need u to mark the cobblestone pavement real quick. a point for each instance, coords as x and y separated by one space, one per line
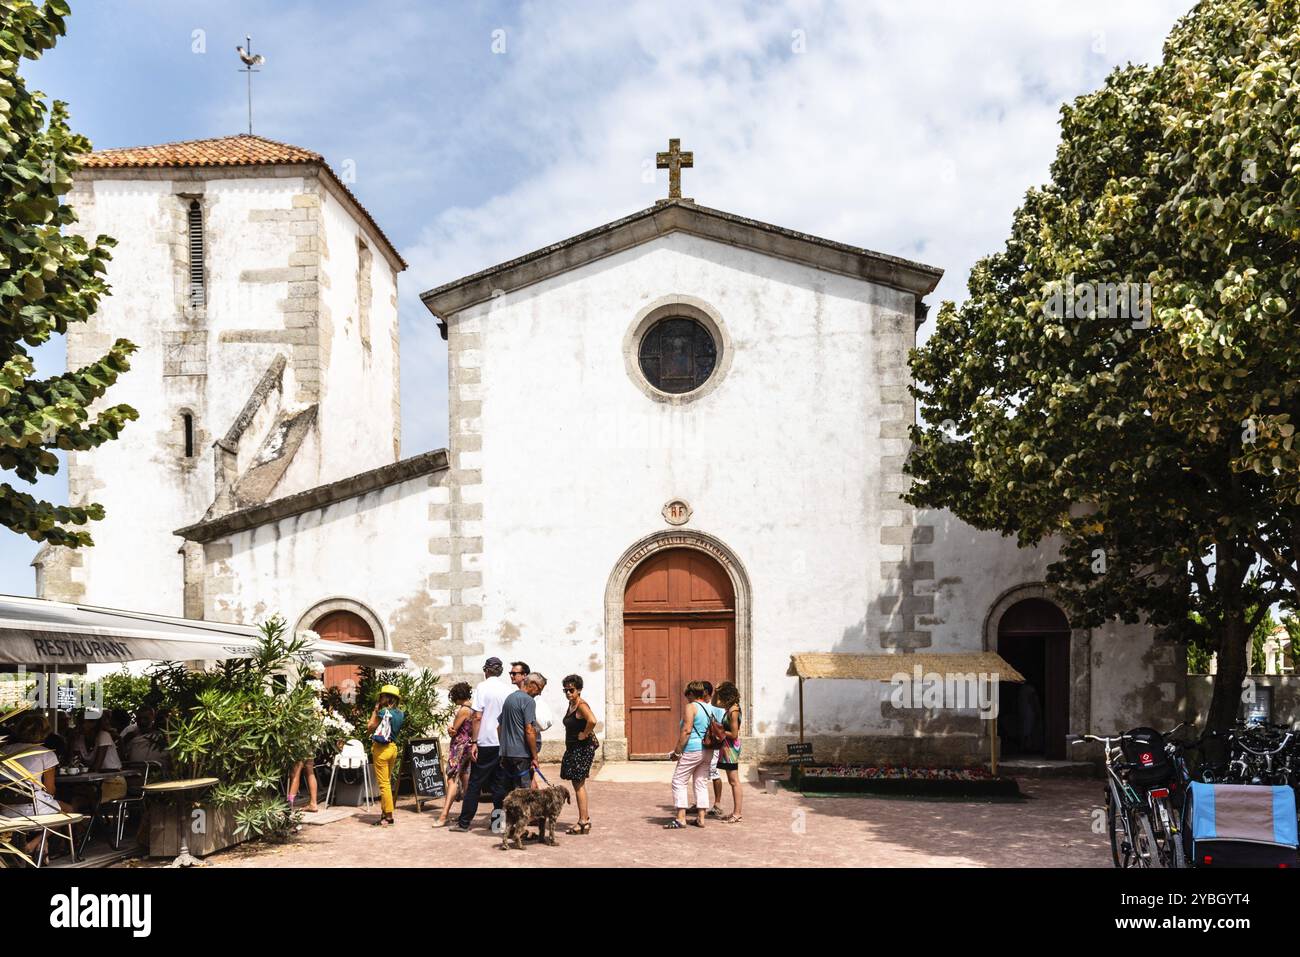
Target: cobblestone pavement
1051 827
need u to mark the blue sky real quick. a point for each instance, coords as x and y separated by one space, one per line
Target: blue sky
481 130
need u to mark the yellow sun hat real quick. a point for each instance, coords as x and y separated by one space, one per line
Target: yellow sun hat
393 690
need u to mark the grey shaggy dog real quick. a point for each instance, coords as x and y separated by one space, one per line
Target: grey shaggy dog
525 805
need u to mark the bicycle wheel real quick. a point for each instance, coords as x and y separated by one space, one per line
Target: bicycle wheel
1121 848
1168 834
1145 851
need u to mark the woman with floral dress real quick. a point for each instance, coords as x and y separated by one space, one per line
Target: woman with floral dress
458 756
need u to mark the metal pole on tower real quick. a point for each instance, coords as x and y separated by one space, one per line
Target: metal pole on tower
248 45
250 62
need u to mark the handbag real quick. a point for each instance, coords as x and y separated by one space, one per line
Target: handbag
715 737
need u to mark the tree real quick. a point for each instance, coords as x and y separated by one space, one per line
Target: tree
48 279
1126 371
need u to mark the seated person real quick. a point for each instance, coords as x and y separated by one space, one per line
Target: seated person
92 745
144 740
26 737
56 740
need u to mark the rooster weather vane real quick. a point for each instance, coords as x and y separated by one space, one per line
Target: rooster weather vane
251 63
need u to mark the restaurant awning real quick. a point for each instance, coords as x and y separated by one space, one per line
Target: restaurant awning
51 635
885 667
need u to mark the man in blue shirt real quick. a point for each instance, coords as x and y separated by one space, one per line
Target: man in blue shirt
518 732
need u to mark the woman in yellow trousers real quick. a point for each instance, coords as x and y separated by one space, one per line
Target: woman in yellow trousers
385 721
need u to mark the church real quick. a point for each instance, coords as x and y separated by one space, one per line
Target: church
676 450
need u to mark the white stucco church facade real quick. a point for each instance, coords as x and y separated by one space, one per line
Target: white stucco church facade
676 451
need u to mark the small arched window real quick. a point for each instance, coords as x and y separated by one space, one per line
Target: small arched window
187 424
196 296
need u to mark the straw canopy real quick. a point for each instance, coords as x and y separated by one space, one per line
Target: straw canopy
886 667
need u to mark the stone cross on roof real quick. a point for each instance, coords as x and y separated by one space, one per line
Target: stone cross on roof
674 161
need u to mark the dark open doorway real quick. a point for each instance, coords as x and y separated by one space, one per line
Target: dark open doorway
1034 718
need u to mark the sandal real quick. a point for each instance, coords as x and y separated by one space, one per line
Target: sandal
715 811
582 827
674 825
696 823
440 823
732 819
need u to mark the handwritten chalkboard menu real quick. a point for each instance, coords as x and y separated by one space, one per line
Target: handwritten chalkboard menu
425 763
800 753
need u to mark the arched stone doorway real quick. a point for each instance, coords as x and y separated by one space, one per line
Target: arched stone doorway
705 593
1033 636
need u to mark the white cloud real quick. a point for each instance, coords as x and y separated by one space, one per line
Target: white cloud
911 128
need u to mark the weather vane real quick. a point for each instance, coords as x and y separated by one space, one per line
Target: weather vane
250 62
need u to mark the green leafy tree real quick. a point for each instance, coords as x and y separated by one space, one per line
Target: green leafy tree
127 691
1292 625
1125 372
48 279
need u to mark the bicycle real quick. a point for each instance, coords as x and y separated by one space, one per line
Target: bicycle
1257 749
1143 829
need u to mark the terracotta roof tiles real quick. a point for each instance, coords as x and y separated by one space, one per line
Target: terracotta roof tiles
227 151
240 150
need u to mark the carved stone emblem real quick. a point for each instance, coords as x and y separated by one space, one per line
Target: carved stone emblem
677 512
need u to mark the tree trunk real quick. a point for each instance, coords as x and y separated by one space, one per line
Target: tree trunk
1232 658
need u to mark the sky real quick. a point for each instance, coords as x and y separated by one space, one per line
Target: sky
479 131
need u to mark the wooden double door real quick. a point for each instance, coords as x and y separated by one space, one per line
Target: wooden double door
679 625
349 628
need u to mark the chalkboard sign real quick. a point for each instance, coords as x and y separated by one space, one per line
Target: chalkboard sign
799 753
425 762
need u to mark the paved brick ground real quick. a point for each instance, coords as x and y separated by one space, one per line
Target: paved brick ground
1051 827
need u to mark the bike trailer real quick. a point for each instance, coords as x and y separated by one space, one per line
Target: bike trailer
1240 825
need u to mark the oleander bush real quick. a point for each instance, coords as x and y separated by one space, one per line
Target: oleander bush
245 722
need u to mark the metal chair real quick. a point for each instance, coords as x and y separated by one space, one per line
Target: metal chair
134 797
15 821
48 825
17 780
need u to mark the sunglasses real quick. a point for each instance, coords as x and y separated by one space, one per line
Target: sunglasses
570 690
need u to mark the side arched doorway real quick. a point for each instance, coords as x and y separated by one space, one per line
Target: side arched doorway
1033 636
348 627
679 625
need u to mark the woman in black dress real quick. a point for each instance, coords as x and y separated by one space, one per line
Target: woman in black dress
579 749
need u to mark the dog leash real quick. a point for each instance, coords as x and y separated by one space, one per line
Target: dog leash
543 777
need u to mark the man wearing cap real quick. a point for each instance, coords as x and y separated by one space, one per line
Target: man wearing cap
385 721
485 745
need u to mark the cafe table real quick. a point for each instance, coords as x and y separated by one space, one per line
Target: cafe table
181 787
95 779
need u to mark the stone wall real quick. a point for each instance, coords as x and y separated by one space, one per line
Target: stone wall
271 289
